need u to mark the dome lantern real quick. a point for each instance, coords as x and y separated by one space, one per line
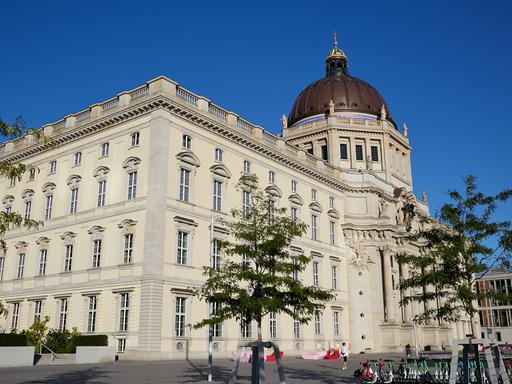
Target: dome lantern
336 61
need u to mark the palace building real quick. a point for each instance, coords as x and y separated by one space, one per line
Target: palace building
127 188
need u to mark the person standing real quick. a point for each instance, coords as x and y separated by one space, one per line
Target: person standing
344 355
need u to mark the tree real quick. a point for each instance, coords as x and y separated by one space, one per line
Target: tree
3 310
258 273
454 252
36 334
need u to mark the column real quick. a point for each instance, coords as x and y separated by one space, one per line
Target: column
390 309
334 147
407 308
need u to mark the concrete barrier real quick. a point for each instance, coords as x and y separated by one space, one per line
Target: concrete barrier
95 355
16 356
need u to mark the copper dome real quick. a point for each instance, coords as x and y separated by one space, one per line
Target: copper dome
349 94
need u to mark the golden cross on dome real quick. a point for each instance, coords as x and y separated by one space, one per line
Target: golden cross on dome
335 41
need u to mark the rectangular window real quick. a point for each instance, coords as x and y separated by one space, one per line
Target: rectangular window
296 329
245 328
217 195
271 211
68 258
91 314
8 209
38 306
247 166
246 203
215 262
295 272
43 254
121 345
334 277
273 325
48 207
21 266
102 192
310 150
186 142
271 177
313 194
63 314
74 200
28 208
184 184
132 185
96 253
12 181
359 152
331 202
2 267
324 152
32 174
216 328
104 149
336 323
343 151
15 315
318 323
294 186
135 139
182 248
181 315
124 311
246 261
128 248
332 232
375 153
77 158
218 155
52 167
314 228
293 213
316 273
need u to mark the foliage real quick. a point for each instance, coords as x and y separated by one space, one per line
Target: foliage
3 310
89 341
13 339
36 334
264 282
61 341
454 253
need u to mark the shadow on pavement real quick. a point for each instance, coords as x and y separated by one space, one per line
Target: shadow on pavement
92 375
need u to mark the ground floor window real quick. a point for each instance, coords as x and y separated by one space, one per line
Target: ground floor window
121 345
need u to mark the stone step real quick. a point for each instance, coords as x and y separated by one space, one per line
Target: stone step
62 358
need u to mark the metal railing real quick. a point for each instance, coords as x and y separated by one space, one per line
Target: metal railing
53 354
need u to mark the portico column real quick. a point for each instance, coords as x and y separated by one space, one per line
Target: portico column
388 288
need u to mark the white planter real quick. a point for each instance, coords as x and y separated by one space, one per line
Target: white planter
16 356
95 355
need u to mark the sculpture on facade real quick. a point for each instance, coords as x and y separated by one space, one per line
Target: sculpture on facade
406 130
369 164
383 207
383 113
331 108
284 122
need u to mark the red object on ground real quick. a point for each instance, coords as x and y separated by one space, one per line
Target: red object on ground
332 354
272 357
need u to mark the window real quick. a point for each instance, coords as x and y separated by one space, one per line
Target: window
96 253
102 192
314 228
32 174
43 254
132 185
218 155
246 261
52 168
180 319
332 232
104 149
28 209
91 314
74 200
246 203
323 148
359 152
334 277
2 267
215 261
293 213
21 266
121 345
124 309
215 310
68 258
247 166
343 151
12 181
273 325
316 273
186 142
182 249
313 194
128 248
217 195
271 177
331 202
38 306
245 327
318 323
336 323
296 329
8 209
77 158
375 153
48 207
295 272
294 186
15 315
135 139
184 184
310 150
63 314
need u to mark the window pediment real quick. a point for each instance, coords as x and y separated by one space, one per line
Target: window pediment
68 236
96 232
314 206
43 241
126 223
27 194
21 246
295 198
131 164
73 181
7 200
101 172
48 188
333 213
220 170
188 157
273 190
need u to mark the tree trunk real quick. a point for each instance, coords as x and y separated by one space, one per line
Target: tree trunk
259 329
472 325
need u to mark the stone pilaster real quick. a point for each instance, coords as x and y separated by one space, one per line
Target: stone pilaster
334 147
390 308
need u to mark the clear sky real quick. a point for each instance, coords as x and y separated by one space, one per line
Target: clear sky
444 67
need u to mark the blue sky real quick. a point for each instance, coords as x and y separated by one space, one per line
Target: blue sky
442 66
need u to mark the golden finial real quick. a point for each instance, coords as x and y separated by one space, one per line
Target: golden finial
335 41
335 51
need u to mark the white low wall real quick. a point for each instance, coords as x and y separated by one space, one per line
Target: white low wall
95 355
16 356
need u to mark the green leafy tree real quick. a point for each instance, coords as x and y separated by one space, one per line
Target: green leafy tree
454 252
36 334
258 272
3 310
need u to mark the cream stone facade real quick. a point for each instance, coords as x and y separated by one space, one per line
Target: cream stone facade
127 189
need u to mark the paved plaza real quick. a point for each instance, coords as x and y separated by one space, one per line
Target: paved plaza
191 371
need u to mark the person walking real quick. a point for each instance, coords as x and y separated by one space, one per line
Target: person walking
344 355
